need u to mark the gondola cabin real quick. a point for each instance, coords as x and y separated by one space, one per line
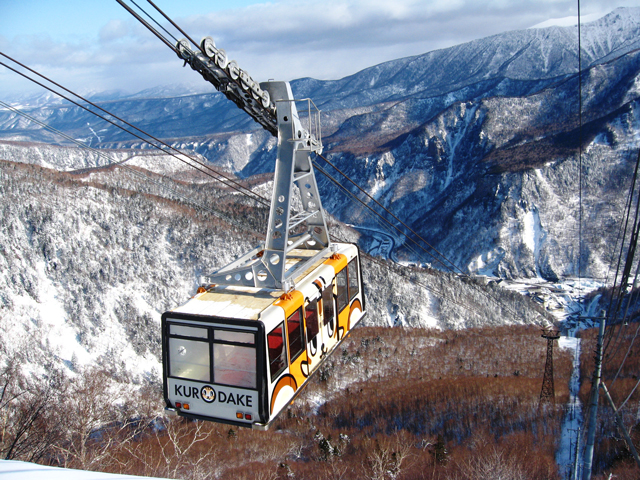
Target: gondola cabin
239 355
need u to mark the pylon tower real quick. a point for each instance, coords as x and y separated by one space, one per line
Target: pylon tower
548 394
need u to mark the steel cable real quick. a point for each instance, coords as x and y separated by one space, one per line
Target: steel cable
138 173
238 187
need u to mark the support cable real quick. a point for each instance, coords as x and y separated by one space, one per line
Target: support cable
174 24
252 194
377 217
498 302
353 196
450 267
134 171
155 21
614 307
628 208
579 150
396 218
146 24
238 187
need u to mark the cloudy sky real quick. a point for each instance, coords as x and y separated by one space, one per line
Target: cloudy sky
96 45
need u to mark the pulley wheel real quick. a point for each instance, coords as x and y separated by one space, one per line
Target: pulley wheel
266 99
209 47
221 59
183 48
233 70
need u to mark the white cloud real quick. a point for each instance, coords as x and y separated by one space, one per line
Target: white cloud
285 39
114 30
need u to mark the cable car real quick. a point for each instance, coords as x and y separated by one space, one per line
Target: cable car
243 347
239 355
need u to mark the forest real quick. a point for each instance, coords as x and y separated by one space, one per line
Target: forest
452 398
392 403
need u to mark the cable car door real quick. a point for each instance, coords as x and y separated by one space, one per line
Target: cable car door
329 320
314 334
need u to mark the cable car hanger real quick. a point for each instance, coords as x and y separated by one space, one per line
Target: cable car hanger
272 105
266 266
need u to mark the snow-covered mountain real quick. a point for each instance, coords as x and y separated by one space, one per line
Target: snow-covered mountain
474 146
90 258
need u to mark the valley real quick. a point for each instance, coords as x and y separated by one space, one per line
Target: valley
477 148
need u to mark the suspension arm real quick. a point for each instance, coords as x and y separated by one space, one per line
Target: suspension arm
236 84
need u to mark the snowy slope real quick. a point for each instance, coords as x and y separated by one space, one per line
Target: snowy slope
475 146
14 470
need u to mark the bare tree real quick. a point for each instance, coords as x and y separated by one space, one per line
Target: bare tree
96 426
386 459
180 449
492 465
29 423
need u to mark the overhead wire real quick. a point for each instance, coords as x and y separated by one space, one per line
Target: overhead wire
439 260
136 172
442 257
452 266
379 262
368 207
448 265
618 293
191 201
621 226
155 21
146 24
443 260
488 294
229 182
173 23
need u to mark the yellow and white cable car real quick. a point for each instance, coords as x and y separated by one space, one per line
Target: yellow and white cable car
239 355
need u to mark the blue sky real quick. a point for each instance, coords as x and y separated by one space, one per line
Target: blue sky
95 45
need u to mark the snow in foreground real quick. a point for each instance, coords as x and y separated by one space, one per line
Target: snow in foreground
13 470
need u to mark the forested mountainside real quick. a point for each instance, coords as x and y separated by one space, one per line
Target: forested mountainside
380 408
91 258
476 147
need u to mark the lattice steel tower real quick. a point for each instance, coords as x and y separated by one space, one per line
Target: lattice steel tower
547 394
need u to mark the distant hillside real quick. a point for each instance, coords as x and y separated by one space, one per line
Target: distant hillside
91 259
474 146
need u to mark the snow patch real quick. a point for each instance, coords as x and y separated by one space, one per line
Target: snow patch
528 235
14 470
573 419
571 21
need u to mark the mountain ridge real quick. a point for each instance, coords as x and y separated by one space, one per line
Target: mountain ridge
433 135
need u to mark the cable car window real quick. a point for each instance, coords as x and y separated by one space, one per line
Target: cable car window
238 337
311 318
353 278
296 334
234 365
189 359
343 295
185 331
277 352
327 304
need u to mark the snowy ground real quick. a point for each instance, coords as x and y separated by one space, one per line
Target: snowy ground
560 298
562 301
13 470
565 457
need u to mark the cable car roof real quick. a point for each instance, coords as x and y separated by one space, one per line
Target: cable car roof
248 302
